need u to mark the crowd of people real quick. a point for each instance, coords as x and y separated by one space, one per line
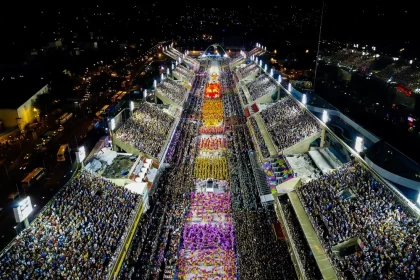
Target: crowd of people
306 256
259 138
212 143
232 106
211 167
212 112
184 73
147 129
154 251
250 69
288 123
237 60
261 86
185 129
192 61
76 236
173 90
260 255
389 234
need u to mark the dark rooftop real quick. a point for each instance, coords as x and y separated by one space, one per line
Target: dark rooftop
16 88
389 158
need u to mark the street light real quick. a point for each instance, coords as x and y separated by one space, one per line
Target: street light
325 117
304 99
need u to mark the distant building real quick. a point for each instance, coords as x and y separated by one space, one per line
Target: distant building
17 101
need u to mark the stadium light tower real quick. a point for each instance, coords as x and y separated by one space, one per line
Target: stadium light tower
304 99
325 117
358 145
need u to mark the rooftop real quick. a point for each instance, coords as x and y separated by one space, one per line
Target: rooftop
15 89
389 158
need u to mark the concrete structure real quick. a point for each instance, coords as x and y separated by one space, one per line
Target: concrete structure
21 113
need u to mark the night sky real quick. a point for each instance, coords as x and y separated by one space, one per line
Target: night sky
26 26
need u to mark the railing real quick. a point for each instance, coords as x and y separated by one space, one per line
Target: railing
127 237
259 175
290 240
46 206
399 196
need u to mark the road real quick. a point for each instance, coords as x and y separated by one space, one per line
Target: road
57 172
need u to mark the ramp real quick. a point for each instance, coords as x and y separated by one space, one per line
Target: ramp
321 257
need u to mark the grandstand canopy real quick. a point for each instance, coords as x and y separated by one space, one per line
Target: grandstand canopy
136 187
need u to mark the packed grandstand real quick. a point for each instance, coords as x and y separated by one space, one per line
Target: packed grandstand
208 216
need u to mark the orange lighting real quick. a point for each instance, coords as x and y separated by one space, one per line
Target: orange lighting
307 51
212 90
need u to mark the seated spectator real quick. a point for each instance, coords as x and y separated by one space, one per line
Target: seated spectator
389 233
288 123
77 236
147 129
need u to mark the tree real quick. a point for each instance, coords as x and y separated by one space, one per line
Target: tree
44 103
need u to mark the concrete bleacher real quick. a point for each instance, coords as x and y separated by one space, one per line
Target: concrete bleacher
324 159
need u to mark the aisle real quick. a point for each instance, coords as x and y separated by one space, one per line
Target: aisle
208 245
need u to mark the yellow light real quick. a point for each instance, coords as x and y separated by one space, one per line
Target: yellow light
275 51
306 51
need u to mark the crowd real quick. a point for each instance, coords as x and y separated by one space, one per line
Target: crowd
185 130
243 185
212 143
237 60
250 69
388 232
187 234
212 129
306 256
261 86
192 61
259 138
260 255
154 253
147 129
253 52
232 106
184 73
76 236
211 167
173 90
287 123
212 112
